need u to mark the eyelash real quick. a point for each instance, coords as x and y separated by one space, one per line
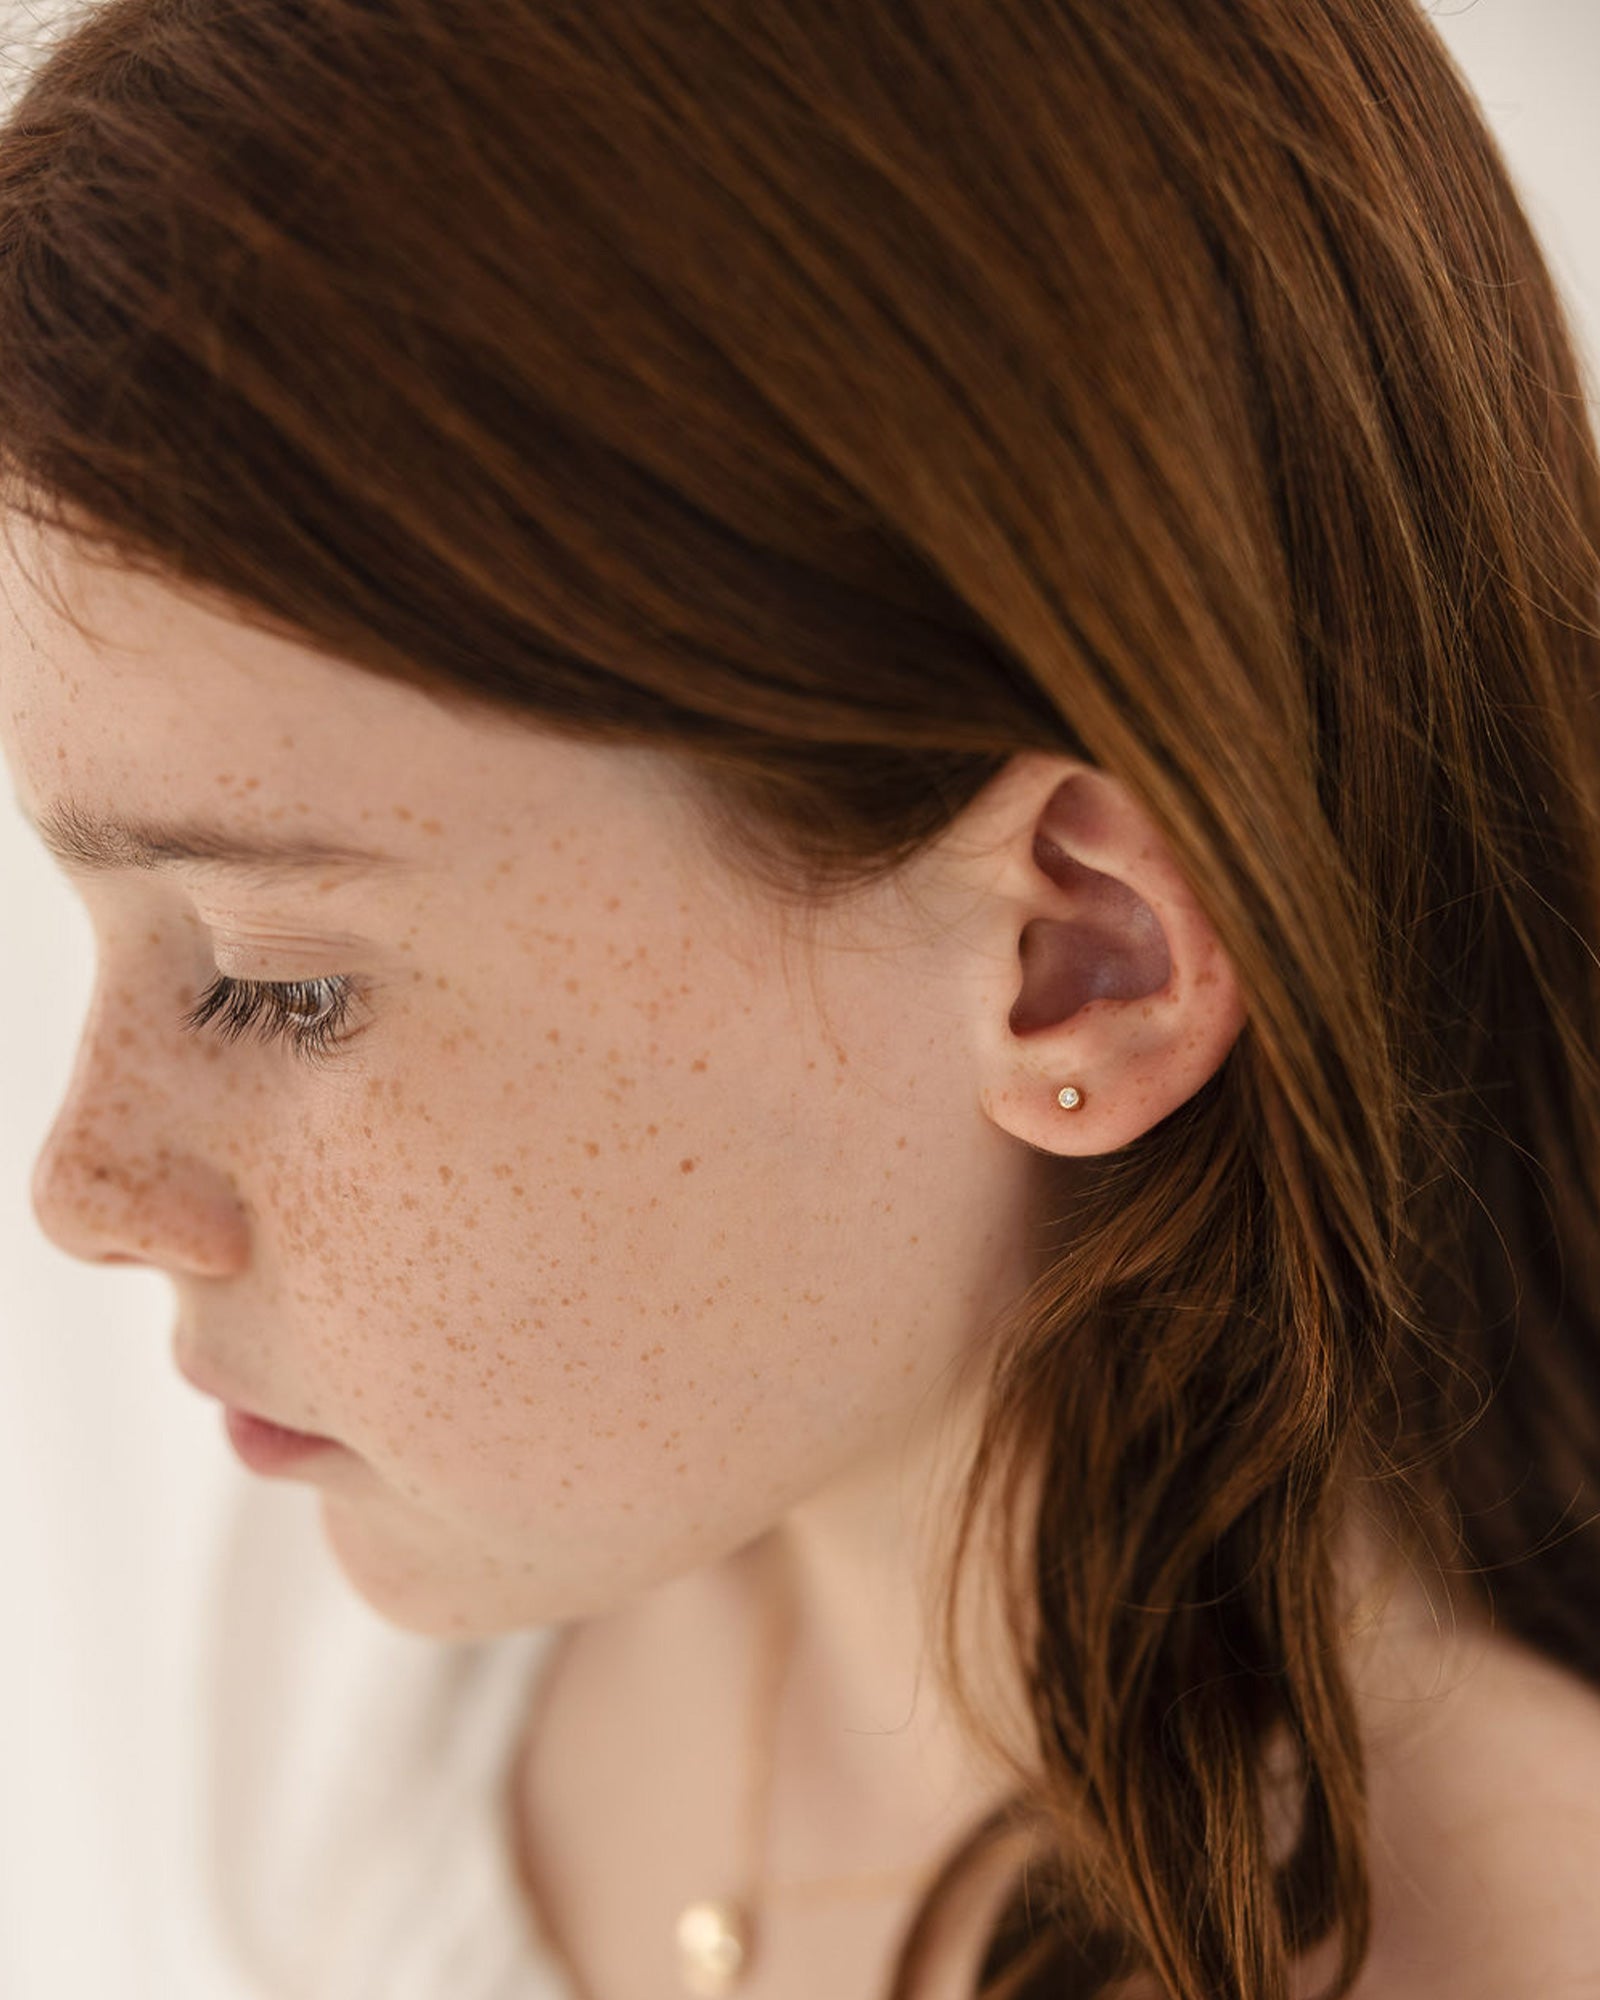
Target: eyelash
231 1007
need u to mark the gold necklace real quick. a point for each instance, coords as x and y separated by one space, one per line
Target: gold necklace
717 1936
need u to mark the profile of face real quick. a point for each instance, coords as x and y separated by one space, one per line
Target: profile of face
603 1219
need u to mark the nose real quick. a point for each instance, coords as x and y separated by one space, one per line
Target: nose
114 1182
157 1208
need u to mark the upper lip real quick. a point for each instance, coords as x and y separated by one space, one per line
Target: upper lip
198 1376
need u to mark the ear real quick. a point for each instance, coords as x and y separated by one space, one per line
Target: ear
1097 967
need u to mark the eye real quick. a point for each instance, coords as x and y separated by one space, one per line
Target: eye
311 1014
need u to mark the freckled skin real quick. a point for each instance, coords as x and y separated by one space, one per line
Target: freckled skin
636 1223
612 1235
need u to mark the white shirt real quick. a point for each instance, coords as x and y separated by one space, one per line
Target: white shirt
354 1815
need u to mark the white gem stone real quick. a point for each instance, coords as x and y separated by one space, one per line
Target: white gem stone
1069 1099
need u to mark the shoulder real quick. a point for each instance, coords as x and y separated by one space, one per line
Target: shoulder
1484 1833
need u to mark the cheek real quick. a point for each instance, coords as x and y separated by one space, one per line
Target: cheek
615 1239
510 1293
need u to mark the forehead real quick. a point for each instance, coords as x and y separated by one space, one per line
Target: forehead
157 700
163 710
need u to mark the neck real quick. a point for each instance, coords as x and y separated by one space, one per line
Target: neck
869 1771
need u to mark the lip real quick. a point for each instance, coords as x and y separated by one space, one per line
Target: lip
264 1446
269 1448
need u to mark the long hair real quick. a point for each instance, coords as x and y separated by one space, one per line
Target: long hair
851 394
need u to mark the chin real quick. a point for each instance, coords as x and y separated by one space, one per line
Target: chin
396 1582
430 1592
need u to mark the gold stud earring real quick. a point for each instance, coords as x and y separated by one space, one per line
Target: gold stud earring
1069 1097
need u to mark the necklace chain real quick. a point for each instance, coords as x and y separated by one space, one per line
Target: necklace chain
715 1936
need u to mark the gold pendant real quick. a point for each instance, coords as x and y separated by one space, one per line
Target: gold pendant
713 1945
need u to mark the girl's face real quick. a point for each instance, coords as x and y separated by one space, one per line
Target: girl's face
611 1224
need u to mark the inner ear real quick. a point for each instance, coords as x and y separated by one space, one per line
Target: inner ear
1111 947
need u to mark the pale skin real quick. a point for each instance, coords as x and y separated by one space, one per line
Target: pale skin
637 1250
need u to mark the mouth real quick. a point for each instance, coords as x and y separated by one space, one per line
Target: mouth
270 1448
263 1445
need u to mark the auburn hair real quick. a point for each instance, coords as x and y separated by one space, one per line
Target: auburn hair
849 395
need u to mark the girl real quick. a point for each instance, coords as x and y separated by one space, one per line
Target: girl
837 769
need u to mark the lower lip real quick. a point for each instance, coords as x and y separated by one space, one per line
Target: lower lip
267 1447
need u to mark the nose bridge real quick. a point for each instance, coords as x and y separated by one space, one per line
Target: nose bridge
119 1175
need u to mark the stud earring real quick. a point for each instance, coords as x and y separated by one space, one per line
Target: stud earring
1069 1097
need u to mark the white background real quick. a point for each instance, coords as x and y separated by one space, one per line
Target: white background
114 1474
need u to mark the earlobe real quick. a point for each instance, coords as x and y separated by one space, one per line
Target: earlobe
1123 1002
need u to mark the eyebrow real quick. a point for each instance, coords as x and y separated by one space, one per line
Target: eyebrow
94 844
